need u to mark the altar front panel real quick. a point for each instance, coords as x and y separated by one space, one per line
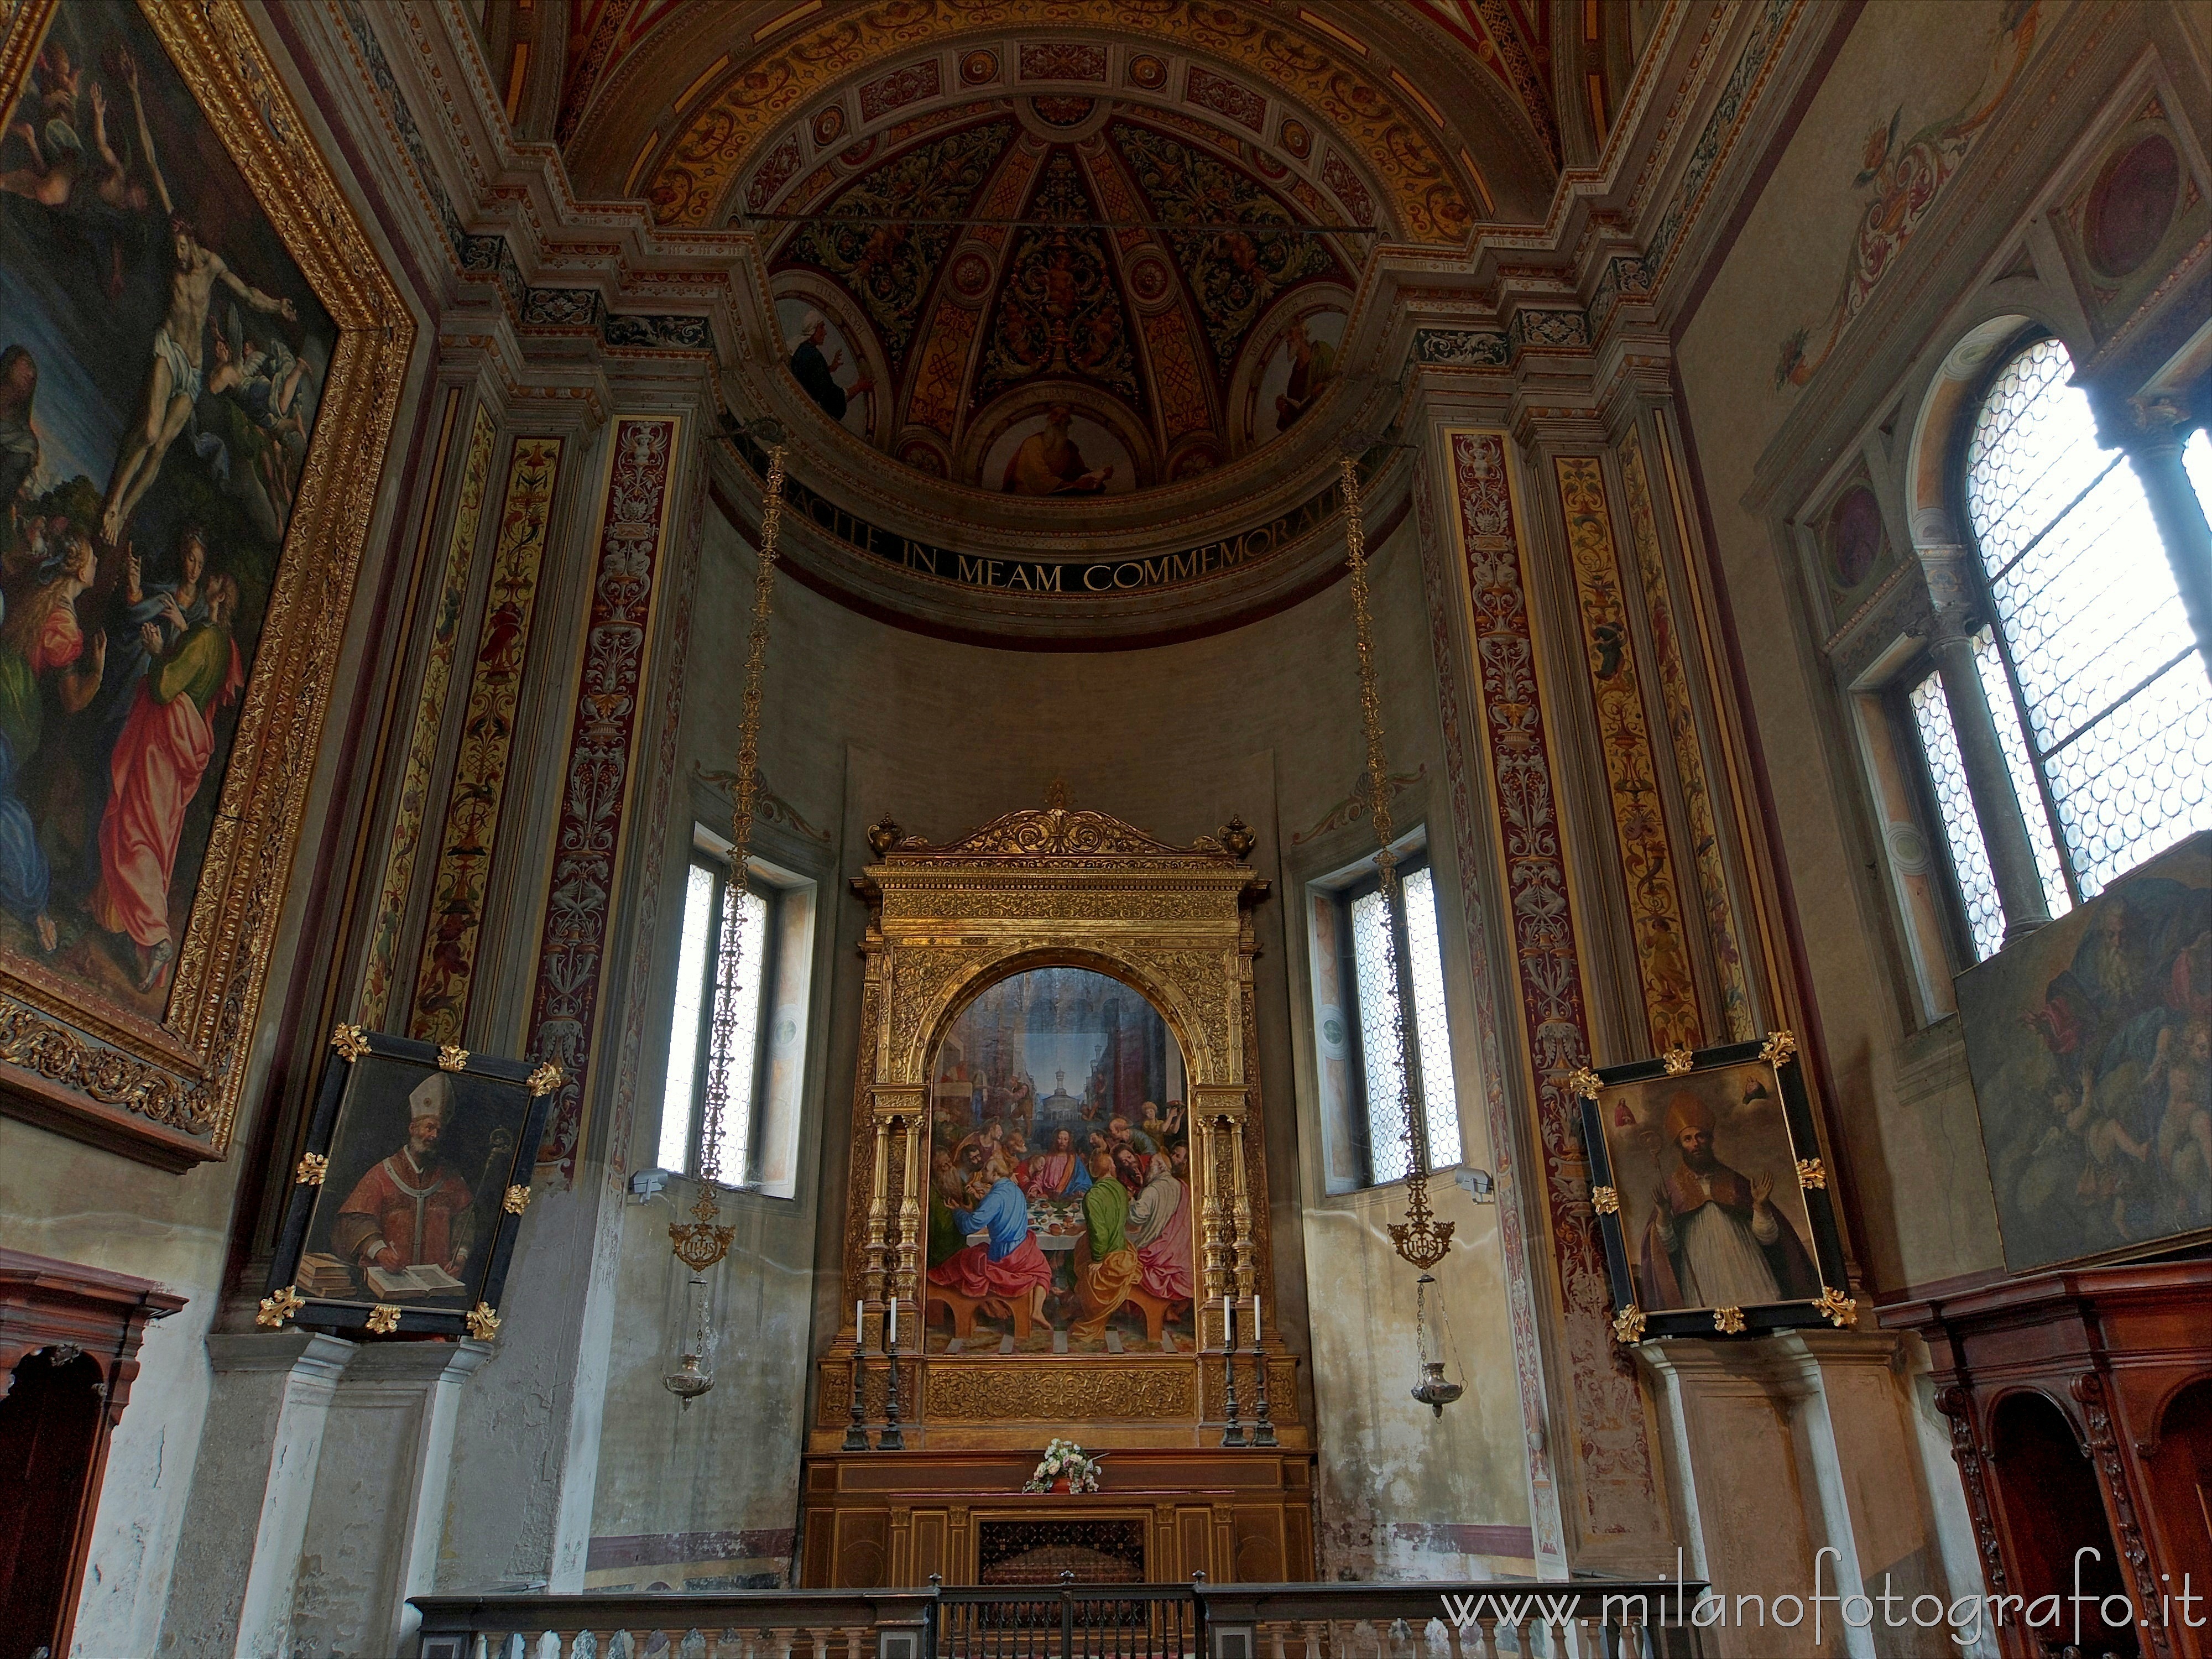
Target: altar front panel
875 1519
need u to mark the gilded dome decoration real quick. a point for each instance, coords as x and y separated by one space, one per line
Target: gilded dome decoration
1057 295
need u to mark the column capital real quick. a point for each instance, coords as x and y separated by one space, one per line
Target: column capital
2157 425
1947 567
308 1353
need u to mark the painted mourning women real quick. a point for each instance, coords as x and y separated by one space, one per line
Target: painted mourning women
161 359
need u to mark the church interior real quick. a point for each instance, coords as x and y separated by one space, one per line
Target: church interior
1323 828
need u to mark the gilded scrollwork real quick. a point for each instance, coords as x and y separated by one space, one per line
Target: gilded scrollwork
1058 831
989 1393
1044 888
1205 981
55 1052
1216 901
923 979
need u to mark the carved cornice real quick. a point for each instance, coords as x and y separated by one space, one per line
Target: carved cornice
1059 831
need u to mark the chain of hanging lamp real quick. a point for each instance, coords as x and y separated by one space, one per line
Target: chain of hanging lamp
1420 1238
700 1244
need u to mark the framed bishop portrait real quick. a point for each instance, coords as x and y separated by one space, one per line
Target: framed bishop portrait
409 1192
1711 1194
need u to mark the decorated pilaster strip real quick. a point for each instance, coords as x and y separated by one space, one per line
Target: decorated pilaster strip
1615 1489
681 580
429 720
587 837
1639 816
1689 753
446 974
1761 924
1439 586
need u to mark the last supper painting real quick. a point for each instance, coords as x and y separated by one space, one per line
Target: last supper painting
1061 1215
162 360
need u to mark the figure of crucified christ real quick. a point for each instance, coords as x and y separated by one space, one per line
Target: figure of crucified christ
174 379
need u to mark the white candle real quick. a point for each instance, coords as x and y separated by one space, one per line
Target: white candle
891 1343
1228 1323
860 1324
1256 1321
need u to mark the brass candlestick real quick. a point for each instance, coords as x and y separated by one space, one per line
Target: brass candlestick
891 1439
1234 1434
1263 1431
856 1432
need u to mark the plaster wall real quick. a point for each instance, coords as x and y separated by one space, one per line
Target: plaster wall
75 1203
863 722
1904 1115
1910 1139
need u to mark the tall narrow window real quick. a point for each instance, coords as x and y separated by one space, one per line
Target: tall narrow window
2095 651
1962 830
707 895
1376 995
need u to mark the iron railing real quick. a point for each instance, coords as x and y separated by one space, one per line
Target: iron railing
1068 1620
1578 1619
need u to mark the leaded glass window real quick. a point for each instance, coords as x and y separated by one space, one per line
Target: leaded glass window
2112 709
708 893
1962 830
1382 1071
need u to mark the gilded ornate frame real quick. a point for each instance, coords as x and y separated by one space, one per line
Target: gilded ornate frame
1037 888
168 1092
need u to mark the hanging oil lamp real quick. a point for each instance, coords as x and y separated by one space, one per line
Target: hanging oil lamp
703 1241
1421 1239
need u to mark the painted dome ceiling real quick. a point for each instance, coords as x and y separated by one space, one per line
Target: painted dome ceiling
1058 294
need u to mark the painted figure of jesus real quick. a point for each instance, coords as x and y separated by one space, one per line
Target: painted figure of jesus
175 378
1058 1172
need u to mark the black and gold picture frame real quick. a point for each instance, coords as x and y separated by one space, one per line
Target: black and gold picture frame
407 1199
1711 1194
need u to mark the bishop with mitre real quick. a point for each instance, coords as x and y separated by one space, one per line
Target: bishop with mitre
411 1209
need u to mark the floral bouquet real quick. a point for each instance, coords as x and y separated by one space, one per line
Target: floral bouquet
1066 1460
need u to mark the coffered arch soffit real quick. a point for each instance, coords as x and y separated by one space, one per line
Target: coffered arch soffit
688 106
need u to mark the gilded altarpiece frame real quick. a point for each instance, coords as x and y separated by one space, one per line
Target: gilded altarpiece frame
1042 888
167 1090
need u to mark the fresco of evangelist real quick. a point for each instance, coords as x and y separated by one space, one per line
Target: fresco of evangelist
1061 1208
161 361
2090 1042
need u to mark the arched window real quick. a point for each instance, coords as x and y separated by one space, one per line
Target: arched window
2092 671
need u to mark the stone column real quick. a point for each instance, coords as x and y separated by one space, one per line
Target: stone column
380 1500
1791 1459
1733 1473
2154 451
524 1459
1988 781
255 1480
